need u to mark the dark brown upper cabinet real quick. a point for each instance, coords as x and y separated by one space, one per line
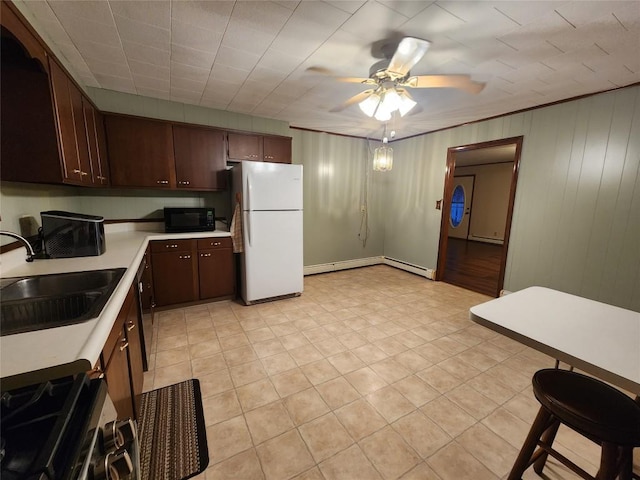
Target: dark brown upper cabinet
140 152
94 128
259 148
199 157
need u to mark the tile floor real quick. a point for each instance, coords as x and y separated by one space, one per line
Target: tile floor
372 373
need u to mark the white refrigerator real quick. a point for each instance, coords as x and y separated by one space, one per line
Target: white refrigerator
271 264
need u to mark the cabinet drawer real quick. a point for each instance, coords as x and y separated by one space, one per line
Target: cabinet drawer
214 243
159 246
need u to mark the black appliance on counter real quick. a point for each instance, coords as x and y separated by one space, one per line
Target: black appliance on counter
65 429
189 219
67 234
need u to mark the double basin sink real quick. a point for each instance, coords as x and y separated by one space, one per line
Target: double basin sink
48 301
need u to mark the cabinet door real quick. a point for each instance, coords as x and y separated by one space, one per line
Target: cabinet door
23 34
277 149
102 148
64 108
80 133
96 151
133 333
140 152
116 366
174 277
244 147
199 156
216 271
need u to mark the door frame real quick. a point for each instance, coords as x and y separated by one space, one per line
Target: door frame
446 202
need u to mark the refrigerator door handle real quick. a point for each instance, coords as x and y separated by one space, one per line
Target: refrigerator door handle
248 226
248 190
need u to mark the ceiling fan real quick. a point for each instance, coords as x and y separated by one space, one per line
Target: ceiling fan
390 79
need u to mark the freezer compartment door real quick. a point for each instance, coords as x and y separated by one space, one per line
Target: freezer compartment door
271 186
273 263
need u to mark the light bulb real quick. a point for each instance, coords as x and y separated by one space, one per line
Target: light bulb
369 104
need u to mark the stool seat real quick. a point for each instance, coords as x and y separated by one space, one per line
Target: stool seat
589 406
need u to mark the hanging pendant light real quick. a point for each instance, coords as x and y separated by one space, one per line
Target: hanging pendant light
383 155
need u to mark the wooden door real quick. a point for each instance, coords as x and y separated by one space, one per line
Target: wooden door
199 157
140 152
277 149
216 273
64 108
244 147
461 199
174 277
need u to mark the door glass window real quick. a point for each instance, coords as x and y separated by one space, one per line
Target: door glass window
457 206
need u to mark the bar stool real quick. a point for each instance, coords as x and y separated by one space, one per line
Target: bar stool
593 409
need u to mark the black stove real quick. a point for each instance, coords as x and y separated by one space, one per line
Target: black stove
54 431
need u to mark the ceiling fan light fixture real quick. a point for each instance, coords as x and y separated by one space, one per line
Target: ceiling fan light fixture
406 103
370 104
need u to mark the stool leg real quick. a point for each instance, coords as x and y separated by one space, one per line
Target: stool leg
547 437
524 457
626 463
608 462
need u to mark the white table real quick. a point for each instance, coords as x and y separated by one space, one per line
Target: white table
594 337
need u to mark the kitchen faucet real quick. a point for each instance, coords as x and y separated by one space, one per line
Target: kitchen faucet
24 241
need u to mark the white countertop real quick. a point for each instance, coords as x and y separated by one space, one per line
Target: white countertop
600 339
31 357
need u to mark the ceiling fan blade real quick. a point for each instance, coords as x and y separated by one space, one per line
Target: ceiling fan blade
330 73
355 99
409 52
356 80
461 82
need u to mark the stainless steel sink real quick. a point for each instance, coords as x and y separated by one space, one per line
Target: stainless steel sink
47 301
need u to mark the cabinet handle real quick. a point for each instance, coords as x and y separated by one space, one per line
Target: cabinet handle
99 371
124 345
215 244
75 170
84 174
172 245
205 254
130 326
184 183
268 157
162 182
185 257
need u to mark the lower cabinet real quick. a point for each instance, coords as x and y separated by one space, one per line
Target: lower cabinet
190 270
121 360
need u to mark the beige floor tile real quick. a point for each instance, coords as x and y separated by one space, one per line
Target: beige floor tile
172 374
337 392
240 355
284 329
312 474
243 466
352 340
390 403
256 394
423 435
360 419
172 356
320 371
471 401
412 361
493 452
507 426
448 416
204 349
215 383
284 456
290 382
268 348
247 373
523 406
305 406
259 334
409 339
365 380
199 323
228 329
268 422
439 379
221 407
305 354
174 341
330 346
293 340
369 353
335 328
432 352
421 472
477 359
492 388
390 370
203 365
233 341
315 334
199 336
346 362
389 453
511 377
349 464
226 439
390 346
253 324
454 463
325 436
459 368
278 363
416 390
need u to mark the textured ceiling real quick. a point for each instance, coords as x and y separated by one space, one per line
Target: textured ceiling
251 56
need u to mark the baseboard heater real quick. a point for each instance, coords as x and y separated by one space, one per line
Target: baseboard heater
475 238
366 262
410 267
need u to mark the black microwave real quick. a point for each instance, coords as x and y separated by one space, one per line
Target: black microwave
189 219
